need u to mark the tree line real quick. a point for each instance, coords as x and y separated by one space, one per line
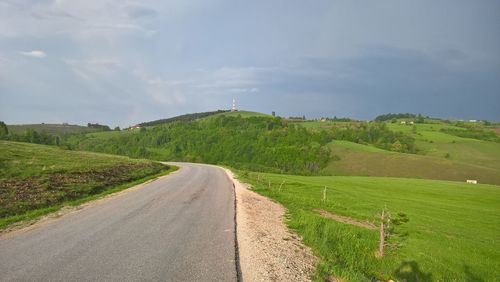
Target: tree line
377 134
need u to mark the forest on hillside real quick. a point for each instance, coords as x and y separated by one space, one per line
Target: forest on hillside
256 143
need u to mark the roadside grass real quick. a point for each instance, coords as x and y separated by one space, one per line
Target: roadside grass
451 235
36 179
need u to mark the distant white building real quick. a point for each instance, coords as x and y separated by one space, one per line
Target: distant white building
472 120
470 181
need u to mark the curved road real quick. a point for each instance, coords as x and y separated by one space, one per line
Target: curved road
177 228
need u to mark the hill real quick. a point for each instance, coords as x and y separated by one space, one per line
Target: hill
364 160
254 142
182 118
437 154
440 230
51 128
36 179
244 114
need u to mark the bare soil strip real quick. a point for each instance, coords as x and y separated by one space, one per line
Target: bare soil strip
346 219
24 226
268 251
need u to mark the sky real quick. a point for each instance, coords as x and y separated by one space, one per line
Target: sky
121 62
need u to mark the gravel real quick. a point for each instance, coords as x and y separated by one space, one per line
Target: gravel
268 251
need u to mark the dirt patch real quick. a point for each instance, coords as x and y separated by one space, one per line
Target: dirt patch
268 251
25 226
346 219
19 195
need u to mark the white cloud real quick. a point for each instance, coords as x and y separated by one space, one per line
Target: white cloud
33 53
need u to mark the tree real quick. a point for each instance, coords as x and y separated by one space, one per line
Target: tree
274 113
397 146
32 136
117 128
4 131
420 119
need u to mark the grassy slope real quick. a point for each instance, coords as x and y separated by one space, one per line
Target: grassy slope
438 144
452 230
363 160
36 179
51 128
444 156
244 114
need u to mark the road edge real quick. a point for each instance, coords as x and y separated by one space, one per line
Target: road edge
67 208
271 257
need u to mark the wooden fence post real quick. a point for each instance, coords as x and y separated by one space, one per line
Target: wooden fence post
382 235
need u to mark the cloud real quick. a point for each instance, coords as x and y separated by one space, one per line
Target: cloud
124 27
34 54
138 11
160 58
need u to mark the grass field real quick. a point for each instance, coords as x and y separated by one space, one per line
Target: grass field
452 232
244 114
438 144
51 128
365 160
441 156
37 179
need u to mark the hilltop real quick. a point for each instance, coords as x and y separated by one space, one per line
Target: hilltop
182 118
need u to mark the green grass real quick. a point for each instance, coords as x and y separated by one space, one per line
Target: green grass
365 160
451 235
358 147
50 128
37 179
441 156
244 114
314 124
434 143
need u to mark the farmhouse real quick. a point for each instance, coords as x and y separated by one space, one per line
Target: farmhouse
470 181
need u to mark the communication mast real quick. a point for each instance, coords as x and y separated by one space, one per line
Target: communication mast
233 109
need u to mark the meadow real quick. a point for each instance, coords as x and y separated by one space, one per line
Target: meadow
365 160
451 233
439 155
38 179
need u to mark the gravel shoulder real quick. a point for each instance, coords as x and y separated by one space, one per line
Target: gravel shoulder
268 251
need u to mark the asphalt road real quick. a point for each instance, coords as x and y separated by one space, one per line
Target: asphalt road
178 228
